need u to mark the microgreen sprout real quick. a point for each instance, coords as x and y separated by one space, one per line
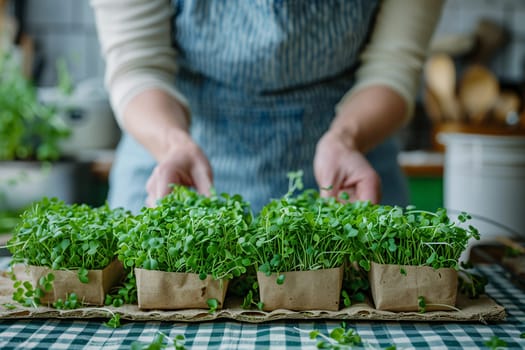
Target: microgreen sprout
161 341
9 306
391 235
247 288
213 305
422 304
339 338
46 282
299 232
470 283
355 285
83 275
71 302
189 232
495 343
126 293
25 294
61 236
251 299
66 237
28 295
113 322
114 318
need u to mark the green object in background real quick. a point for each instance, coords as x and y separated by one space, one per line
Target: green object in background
29 130
426 193
8 220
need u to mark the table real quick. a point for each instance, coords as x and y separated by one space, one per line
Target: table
92 334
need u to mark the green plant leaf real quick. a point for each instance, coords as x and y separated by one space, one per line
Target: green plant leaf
213 305
83 275
280 279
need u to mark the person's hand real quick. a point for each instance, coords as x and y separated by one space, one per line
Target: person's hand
339 167
184 165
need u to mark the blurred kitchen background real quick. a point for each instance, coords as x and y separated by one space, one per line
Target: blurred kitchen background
487 34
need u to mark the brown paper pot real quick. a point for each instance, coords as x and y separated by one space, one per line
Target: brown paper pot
395 291
302 290
176 290
67 282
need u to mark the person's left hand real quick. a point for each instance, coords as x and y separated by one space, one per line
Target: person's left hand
339 167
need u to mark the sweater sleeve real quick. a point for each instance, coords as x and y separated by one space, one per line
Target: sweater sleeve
135 37
398 47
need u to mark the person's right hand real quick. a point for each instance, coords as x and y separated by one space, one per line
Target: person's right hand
184 164
161 123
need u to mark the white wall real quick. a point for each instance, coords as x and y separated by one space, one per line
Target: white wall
65 28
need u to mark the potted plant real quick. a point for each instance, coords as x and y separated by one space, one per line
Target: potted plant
299 247
30 137
185 250
68 250
412 256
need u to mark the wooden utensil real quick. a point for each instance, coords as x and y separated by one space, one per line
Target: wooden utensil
440 76
506 108
478 92
432 107
28 53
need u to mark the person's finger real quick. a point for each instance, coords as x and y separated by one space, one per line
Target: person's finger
150 202
162 184
329 184
150 184
368 189
203 180
167 177
151 189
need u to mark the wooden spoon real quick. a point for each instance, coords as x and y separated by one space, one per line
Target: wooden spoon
440 75
478 92
506 108
432 107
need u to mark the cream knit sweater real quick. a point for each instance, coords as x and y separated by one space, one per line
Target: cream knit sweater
136 44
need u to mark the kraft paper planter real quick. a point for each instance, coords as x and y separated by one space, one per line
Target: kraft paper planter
393 290
302 290
67 282
176 290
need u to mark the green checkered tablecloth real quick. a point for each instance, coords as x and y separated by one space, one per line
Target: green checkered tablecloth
92 334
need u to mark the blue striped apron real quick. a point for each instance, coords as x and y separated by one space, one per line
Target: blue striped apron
262 78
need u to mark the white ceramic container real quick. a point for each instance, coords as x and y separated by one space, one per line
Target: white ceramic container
484 175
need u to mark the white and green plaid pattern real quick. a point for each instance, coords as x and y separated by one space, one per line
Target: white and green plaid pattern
92 334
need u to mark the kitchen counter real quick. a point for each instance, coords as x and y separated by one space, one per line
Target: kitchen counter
422 163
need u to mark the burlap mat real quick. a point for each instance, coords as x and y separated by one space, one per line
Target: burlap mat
482 310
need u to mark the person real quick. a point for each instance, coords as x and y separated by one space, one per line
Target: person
234 94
